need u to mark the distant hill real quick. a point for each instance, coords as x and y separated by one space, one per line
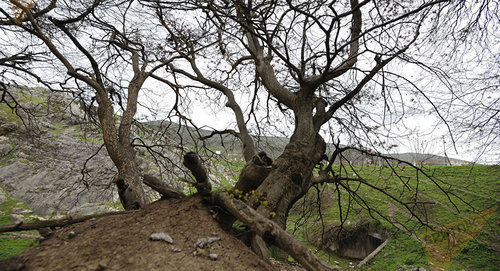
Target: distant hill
429 159
274 146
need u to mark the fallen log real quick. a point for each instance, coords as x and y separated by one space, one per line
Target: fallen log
161 187
22 226
271 232
373 254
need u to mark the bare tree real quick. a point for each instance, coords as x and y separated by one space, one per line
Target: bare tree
334 66
326 67
299 51
92 50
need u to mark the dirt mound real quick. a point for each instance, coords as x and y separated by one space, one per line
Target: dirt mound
121 242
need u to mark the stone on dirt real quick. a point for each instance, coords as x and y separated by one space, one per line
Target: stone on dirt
161 236
202 242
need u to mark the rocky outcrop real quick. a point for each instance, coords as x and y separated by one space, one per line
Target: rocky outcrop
353 240
52 158
44 169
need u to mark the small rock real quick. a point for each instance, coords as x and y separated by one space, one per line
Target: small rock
386 254
16 219
161 236
101 267
21 211
212 256
5 149
8 127
71 234
176 249
201 243
3 197
37 217
200 252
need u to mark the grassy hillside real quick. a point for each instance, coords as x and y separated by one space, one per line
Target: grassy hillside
470 190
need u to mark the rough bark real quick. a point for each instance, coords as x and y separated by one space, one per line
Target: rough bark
129 183
291 176
193 163
254 173
271 232
118 143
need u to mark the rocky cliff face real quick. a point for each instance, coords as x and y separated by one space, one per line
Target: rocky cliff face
42 160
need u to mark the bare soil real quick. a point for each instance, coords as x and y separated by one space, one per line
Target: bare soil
121 242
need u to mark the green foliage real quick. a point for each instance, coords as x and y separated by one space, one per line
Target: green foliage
58 129
12 246
34 96
234 167
239 226
24 161
5 220
87 253
7 206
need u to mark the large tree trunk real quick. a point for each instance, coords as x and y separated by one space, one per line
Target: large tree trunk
291 175
129 181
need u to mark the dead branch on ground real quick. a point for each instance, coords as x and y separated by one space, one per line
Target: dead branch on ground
61 222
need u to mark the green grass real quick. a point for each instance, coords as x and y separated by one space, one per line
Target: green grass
401 251
471 189
115 204
58 128
4 160
35 96
85 138
7 113
234 167
13 246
